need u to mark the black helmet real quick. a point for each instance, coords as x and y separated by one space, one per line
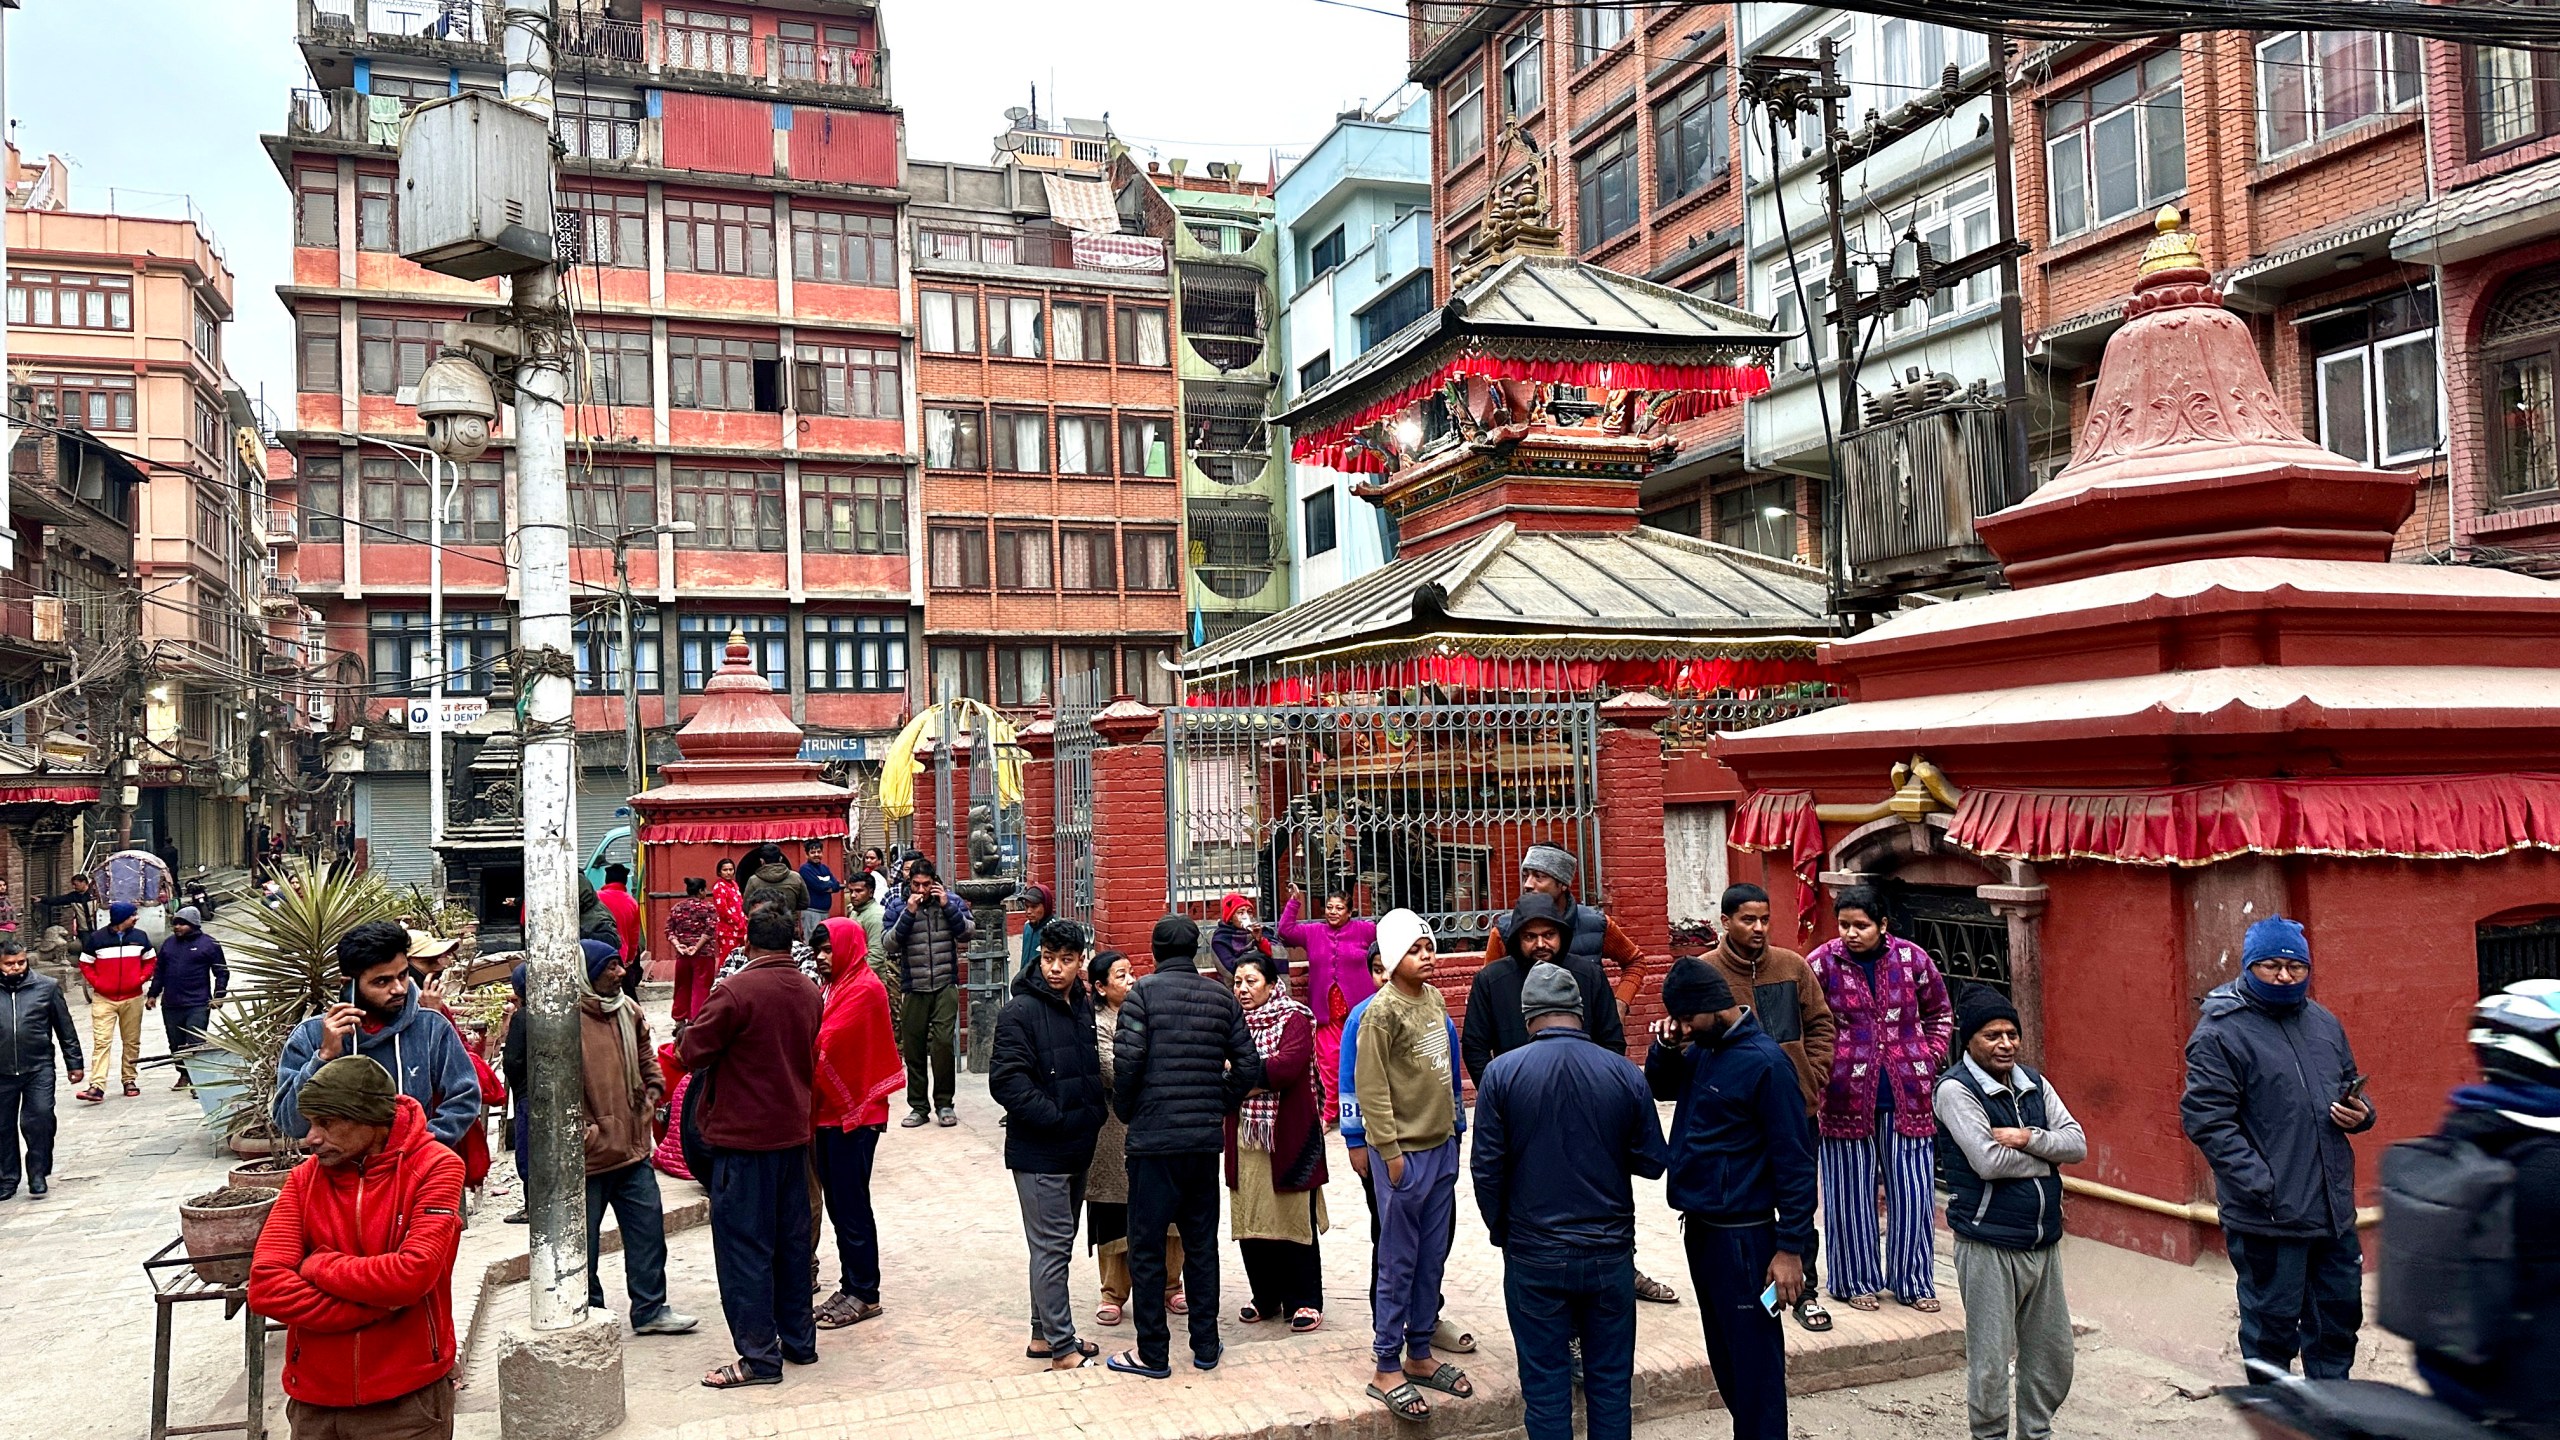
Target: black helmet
2516 1033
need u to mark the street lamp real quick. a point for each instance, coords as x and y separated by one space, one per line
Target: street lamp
634 767
439 497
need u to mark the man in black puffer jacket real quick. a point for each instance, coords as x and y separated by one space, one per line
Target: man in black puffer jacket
1181 1062
1048 1077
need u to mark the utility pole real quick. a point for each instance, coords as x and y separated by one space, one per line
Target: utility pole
2013 323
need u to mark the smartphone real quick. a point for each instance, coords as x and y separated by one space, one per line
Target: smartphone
1769 1298
2355 1088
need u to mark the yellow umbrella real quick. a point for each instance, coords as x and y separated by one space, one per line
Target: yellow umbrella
898 772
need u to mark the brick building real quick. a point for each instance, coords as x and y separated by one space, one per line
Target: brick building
734 174
1052 456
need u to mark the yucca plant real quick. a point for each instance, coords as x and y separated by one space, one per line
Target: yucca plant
283 971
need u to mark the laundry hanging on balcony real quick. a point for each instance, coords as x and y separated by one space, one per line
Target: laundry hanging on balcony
1084 206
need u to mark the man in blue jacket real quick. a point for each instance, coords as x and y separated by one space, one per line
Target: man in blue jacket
1742 1178
2272 1094
193 976
381 1018
1561 1125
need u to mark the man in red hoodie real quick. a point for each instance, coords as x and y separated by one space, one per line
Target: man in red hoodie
357 1260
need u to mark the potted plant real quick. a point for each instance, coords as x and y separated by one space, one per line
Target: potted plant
224 1222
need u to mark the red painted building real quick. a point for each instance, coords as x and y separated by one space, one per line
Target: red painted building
734 172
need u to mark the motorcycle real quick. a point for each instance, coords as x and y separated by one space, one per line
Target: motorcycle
2285 1406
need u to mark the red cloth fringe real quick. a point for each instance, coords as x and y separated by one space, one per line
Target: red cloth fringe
1701 675
2414 817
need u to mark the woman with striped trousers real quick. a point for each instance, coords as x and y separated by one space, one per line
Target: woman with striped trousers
1878 1125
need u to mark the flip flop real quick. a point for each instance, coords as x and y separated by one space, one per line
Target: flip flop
1306 1321
1868 1303
1403 1402
1128 1363
1083 1347
1108 1314
1212 1362
1177 1304
731 1377
1446 1379
1926 1304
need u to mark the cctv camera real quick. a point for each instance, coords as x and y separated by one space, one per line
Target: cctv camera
458 406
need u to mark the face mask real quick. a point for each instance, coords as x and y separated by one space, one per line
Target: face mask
2272 995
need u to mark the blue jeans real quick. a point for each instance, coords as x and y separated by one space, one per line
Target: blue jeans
762 1251
1554 1301
632 1191
2300 1295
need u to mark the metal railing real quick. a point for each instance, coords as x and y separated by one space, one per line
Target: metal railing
1072 767
1694 718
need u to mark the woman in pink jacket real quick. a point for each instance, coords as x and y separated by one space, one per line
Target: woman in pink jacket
1337 974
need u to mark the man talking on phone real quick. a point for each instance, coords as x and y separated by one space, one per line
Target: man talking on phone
378 1015
928 929
1742 1178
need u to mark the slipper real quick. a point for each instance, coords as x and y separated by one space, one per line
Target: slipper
843 1310
132 1091
1128 1363
1177 1304
93 1096
1108 1314
1212 1362
1446 1336
1081 1362
1083 1347
1251 1315
1404 1402
732 1377
1446 1379
1867 1303
1306 1322
1648 1288
1926 1304
1811 1315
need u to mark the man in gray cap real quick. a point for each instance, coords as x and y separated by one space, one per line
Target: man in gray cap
1561 1125
192 978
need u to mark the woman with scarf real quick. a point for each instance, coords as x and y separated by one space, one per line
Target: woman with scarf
621 1091
857 1070
1106 1183
729 906
693 931
1238 935
1275 1156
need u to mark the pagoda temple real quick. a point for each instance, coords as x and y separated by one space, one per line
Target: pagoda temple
2209 698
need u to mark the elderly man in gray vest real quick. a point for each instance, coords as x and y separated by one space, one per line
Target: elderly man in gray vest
2003 1136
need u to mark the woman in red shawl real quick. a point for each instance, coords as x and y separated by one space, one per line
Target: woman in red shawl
858 1069
694 930
732 907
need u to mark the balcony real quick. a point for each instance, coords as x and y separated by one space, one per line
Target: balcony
338 115
447 31
1227 441
284 526
1233 555
655 52
30 619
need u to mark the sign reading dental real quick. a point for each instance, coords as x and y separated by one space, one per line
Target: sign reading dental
452 712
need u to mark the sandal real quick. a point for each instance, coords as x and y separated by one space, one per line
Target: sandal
1445 1336
1448 1380
1251 1315
1648 1288
1083 1347
93 1095
1078 1363
1306 1321
132 1091
1926 1304
735 1376
1177 1304
1811 1315
1108 1313
1128 1363
1404 1402
1868 1303
843 1310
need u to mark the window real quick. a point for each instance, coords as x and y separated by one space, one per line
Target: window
959 558
615 366
2314 82
959 670
1524 64
410 93
1084 673
208 337
473 641
1148 559
598 641
1718 285
403 653
824 54
2376 376
1021 441
706 237
952 439
1466 116
1022 560
1757 517
854 380
613 230
70 301
592 127
855 652
1022 675
1013 326
950 322
377 213
1692 144
1326 254
1146 446
1605 176
322 499
610 500
1956 221
209 423
1313 373
315 209
1088 560
1152 676
1598 29
91 402
708 372
703 640
398 506
834 248
2117 147
316 351
1084 445
1080 330
392 354
2515 96
853 514
1315 521
1396 309
712 40
1810 321
1142 336
730 509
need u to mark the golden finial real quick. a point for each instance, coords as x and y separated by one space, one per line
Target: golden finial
2173 247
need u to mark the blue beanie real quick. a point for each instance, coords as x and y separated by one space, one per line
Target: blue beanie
120 912
598 955
2275 938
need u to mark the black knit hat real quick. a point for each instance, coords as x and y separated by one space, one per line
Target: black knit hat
1176 944
1977 1007
1695 987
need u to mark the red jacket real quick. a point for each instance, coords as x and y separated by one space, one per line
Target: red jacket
358 1264
625 911
117 963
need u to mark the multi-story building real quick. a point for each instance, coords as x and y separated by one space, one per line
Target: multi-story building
116 322
1226 273
739 434
1630 112
2296 158
1051 449
1355 265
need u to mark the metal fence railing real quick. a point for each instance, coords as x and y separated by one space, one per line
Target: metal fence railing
1072 767
1696 718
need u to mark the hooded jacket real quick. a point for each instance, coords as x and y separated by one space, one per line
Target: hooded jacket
1337 960
775 880
1048 1077
1179 1032
357 1261
1494 1023
2519 1380
192 970
117 963
34 1017
2259 1085
419 1047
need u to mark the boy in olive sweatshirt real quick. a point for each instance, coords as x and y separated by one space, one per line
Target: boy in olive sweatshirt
1409 1109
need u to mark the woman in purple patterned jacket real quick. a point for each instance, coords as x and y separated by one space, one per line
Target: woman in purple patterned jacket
1877 1114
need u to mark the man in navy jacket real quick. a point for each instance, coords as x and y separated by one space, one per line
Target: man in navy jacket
193 976
1742 1176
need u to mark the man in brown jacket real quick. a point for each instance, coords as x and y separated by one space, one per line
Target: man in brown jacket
752 1052
624 1087
1786 999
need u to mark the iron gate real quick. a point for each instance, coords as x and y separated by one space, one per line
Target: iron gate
1072 722
1425 807
1957 928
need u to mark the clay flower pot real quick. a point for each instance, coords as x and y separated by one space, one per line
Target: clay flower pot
224 1222
264 1173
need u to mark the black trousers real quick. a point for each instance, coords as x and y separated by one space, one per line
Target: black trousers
844 1170
2300 1295
1283 1275
1746 1347
26 1112
762 1252
1180 1191
185 1026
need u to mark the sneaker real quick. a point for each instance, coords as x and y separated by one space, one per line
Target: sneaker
667 1322
914 1119
945 1117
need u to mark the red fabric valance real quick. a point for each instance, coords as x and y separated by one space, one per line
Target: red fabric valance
1780 820
48 794
1703 387
737 832
1705 674
2413 817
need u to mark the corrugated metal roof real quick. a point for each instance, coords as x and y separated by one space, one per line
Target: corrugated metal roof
1641 582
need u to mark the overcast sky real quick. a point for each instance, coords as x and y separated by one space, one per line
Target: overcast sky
159 99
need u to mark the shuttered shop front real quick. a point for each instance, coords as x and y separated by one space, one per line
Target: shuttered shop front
391 815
